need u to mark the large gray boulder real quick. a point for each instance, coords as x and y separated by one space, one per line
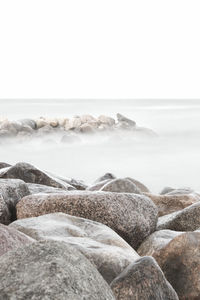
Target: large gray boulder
187 219
121 186
178 255
31 174
11 191
12 239
132 216
35 188
4 165
143 280
50 270
100 244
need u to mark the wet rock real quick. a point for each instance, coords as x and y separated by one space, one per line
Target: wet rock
31 174
122 119
11 191
179 259
35 188
143 280
170 203
139 185
50 270
121 186
12 239
100 244
105 177
187 219
132 216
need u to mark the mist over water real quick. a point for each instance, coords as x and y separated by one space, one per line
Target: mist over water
172 159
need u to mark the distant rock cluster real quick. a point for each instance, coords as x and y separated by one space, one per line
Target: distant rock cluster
69 130
112 239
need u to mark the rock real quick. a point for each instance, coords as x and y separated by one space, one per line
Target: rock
53 122
132 216
74 123
139 185
28 122
46 129
12 239
88 119
121 186
70 138
105 177
170 203
187 219
143 280
98 186
50 270
166 190
154 243
4 165
179 259
11 191
35 188
77 184
13 127
123 119
41 122
87 128
100 244
106 120
31 174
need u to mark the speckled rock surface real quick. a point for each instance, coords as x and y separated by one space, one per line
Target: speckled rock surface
29 173
168 204
132 216
121 185
180 261
143 280
10 239
11 191
97 186
50 270
35 188
187 219
100 244
139 184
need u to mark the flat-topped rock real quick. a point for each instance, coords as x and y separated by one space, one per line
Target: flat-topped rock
100 244
132 216
50 270
143 280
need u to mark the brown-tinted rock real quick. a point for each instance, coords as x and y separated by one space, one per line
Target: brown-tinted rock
187 219
31 174
50 270
100 244
11 191
170 203
179 258
12 239
132 216
121 186
140 185
143 280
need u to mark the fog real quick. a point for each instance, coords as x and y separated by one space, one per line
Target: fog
171 159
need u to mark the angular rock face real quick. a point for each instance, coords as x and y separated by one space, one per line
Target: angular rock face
187 219
125 120
143 280
4 165
100 244
35 188
179 258
132 216
140 185
12 239
11 191
121 186
30 174
168 204
50 270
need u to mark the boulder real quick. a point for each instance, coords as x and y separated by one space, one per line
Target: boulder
132 216
28 122
121 186
31 174
11 191
100 244
35 188
143 280
122 119
106 176
139 185
170 203
50 270
179 259
41 122
12 239
166 190
98 185
106 120
87 128
187 219
4 165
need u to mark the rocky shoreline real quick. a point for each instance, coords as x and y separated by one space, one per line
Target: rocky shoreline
69 130
112 239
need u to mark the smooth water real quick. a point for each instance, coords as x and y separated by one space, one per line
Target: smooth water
172 159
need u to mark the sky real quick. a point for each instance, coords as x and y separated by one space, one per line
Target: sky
99 49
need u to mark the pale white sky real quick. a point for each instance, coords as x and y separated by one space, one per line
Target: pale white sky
100 49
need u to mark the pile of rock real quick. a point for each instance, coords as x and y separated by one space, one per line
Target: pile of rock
114 239
68 130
